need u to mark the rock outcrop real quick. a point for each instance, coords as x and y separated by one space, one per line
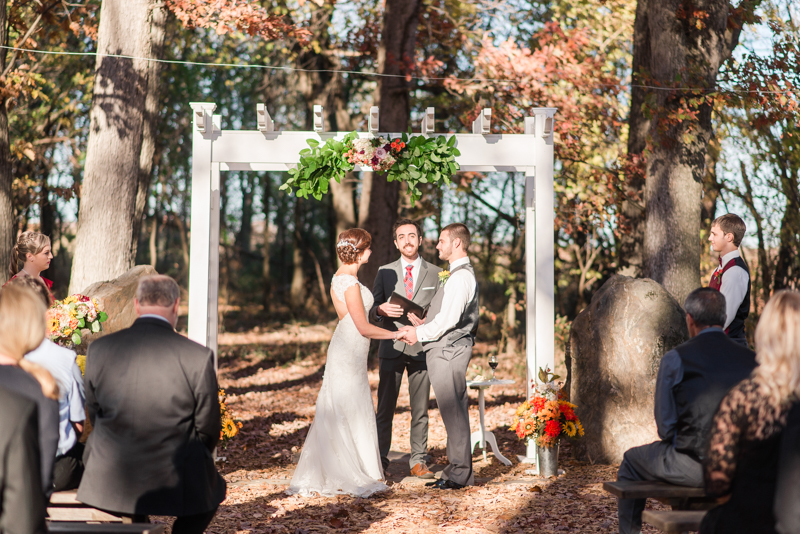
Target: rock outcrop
116 299
616 346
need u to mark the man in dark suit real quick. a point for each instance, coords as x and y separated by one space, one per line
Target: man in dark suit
22 500
692 380
416 279
152 399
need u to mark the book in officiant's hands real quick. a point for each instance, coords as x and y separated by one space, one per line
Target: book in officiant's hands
408 307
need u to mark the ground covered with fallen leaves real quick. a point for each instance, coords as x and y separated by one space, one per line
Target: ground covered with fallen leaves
272 380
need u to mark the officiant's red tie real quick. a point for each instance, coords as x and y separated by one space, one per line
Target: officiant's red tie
409 281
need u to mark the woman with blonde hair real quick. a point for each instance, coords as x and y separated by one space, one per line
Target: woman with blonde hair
741 466
30 256
22 328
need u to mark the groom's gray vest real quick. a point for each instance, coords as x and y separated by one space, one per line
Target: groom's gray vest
463 333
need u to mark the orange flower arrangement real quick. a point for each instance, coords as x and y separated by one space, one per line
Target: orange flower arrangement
546 417
230 427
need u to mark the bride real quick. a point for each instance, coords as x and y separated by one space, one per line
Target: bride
340 454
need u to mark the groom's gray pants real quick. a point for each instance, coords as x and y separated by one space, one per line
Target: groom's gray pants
447 370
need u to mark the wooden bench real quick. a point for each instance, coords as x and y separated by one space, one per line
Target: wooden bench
57 527
65 506
674 522
689 504
678 497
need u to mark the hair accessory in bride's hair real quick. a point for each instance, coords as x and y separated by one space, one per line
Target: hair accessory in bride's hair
345 243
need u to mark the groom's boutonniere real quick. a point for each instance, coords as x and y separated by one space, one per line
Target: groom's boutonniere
443 276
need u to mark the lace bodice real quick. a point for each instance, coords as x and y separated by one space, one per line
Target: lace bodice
746 419
343 282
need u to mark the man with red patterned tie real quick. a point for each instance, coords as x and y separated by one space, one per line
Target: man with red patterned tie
416 279
732 277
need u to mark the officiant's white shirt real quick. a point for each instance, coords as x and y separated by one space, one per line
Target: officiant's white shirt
415 265
459 290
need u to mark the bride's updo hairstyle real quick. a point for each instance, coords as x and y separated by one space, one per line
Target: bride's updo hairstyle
352 243
27 243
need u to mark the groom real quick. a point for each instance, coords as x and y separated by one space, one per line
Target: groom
416 279
447 336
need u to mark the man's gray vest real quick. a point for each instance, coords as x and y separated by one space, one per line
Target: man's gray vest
463 333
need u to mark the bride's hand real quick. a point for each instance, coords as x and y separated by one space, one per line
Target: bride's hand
407 334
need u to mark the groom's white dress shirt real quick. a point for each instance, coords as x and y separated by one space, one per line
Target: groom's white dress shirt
415 265
459 290
735 283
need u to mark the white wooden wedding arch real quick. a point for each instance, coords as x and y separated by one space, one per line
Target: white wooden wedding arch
266 149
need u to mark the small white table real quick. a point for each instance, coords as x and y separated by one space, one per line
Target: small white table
482 436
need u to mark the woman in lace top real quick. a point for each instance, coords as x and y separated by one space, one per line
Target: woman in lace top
742 462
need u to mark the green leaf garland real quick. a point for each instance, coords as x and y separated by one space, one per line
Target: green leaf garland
424 160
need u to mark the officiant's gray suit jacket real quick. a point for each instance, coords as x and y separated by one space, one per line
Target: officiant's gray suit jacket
390 280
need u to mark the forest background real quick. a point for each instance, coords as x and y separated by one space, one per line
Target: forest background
277 252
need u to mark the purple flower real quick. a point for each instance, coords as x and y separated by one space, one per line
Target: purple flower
375 161
361 152
381 153
387 147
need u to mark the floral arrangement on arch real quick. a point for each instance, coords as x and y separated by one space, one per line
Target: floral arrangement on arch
377 153
67 318
546 417
415 160
230 427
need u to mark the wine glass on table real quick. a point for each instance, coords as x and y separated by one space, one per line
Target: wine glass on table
493 363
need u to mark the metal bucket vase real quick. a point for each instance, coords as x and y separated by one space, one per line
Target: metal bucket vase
548 460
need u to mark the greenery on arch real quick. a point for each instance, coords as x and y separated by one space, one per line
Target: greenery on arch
414 160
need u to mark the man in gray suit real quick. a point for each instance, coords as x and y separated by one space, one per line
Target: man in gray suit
447 336
416 279
152 399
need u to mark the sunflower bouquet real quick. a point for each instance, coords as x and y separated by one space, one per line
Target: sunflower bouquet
547 416
67 318
230 427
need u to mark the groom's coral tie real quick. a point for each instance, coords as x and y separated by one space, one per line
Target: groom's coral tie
409 281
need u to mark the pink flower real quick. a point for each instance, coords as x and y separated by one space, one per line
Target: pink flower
381 153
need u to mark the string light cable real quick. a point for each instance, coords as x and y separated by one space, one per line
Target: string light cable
362 73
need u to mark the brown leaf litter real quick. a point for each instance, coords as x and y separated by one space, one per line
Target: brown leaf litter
272 380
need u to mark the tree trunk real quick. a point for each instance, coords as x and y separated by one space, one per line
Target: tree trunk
121 140
632 217
297 291
265 270
154 241
396 54
244 236
8 230
687 48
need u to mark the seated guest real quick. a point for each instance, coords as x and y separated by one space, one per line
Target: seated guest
741 466
787 494
152 400
60 362
22 328
692 380
22 501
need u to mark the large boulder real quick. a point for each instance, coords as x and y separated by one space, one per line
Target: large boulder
116 299
615 349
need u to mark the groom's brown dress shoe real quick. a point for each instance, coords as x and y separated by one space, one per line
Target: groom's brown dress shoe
421 471
445 485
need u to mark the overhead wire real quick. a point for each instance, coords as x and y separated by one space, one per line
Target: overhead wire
360 73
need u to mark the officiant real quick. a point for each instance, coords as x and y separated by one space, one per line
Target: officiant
413 279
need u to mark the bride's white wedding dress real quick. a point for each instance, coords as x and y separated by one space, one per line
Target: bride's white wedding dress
340 454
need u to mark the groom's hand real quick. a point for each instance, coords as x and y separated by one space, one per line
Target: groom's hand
409 334
390 310
416 321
